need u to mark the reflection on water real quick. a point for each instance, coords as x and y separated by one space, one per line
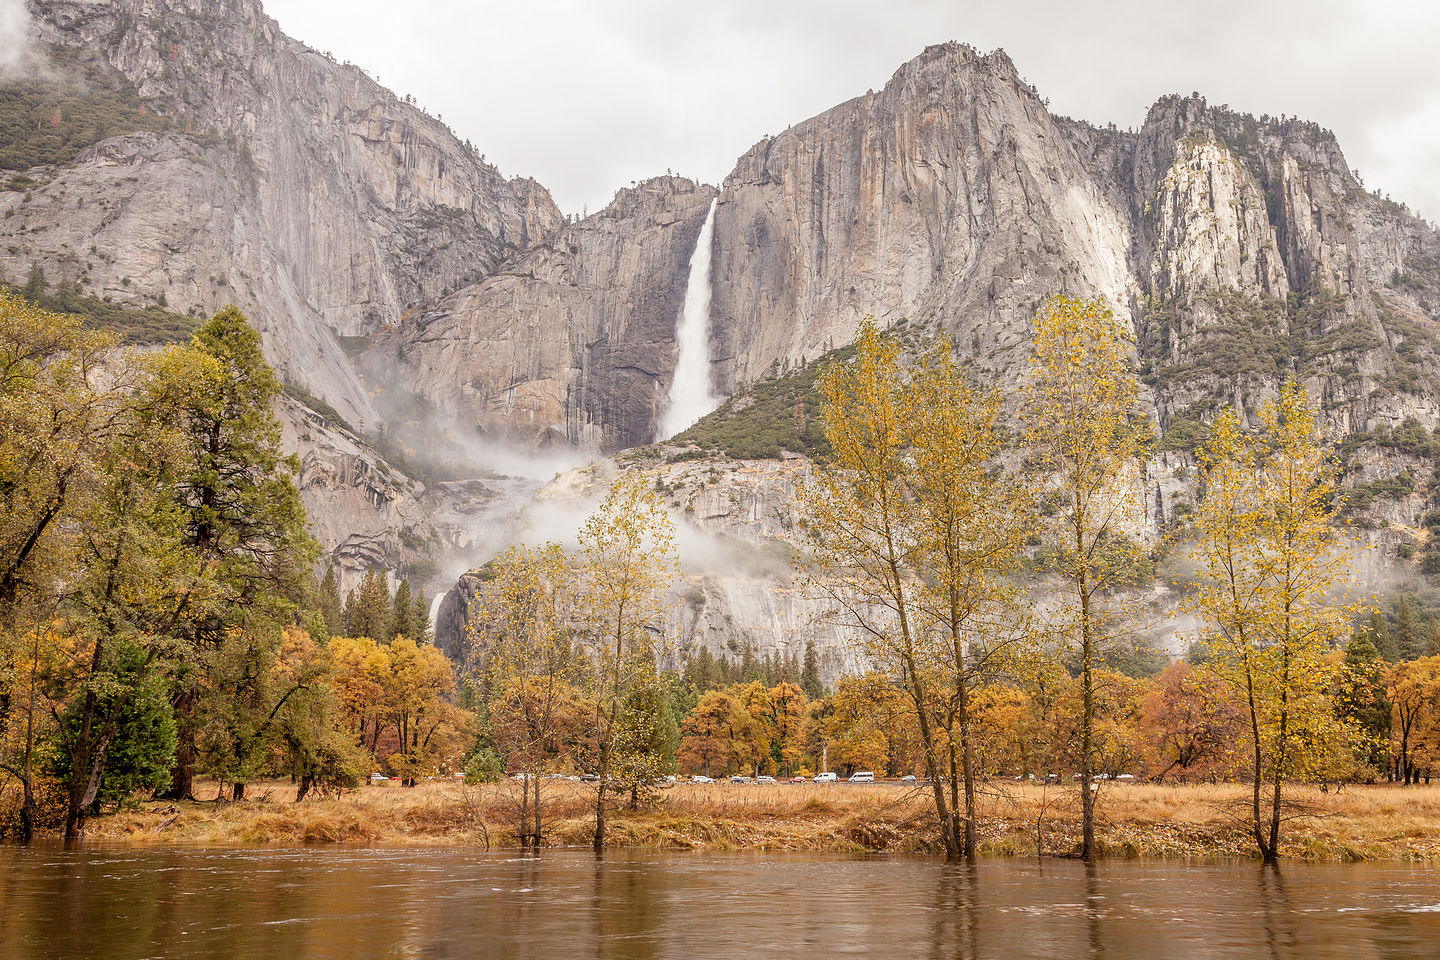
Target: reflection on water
196 903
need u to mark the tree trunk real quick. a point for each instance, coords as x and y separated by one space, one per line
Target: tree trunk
1087 717
182 778
603 782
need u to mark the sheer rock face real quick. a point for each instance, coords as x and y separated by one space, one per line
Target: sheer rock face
950 197
953 199
572 343
304 192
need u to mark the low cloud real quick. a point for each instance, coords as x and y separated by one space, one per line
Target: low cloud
19 57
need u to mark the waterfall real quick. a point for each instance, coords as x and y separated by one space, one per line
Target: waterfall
690 396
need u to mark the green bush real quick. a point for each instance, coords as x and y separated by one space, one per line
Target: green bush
769 417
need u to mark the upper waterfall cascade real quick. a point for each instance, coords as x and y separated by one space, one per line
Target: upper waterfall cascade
690 394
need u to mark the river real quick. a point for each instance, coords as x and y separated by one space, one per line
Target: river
444 903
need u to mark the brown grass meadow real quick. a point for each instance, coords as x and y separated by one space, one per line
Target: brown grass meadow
1379 822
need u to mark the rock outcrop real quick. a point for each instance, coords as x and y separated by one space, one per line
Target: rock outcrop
300 190
366 513
571 343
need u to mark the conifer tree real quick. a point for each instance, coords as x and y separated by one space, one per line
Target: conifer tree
810 674
420 618
1380 636
368 610
402 611
1362 697
1409 644
329 602
246 523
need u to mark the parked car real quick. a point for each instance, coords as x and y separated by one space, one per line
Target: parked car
826 777
908 778
701 780
1126 776
739 779
798 779
861 776
764 779
378 778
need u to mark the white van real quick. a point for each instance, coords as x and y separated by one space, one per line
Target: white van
861 776
826 777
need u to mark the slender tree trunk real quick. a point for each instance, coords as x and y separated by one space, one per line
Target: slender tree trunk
28 808
962 702
603 783
967 752
1257 778
1087 714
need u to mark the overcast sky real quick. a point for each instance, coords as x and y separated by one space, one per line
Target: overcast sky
587 95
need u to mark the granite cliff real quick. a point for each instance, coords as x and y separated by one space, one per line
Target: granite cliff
296 187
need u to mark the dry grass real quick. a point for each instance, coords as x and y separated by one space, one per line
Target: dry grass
1138 820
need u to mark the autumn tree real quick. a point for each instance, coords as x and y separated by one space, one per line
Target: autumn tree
710 736
1413 692
627 562
970 529
521 636
1266 550
1190 724
863 531
1086 436
132 579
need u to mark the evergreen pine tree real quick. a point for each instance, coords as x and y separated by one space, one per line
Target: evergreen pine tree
329 602
1379 632
420 618
402 611
1432 637
35 285
1362 697
367 608
1409 644
350 617
810 675
246 523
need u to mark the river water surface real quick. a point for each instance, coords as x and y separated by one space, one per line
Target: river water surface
207 902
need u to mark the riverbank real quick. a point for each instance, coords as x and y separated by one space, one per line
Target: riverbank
1380 822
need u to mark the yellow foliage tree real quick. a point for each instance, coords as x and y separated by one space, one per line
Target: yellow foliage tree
628 561
1266 549
520 626
970 527
1086 438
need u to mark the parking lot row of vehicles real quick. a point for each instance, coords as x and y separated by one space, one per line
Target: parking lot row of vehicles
859 776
